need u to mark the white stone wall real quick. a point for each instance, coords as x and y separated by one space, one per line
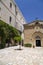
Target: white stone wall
5 13
7 3
20 16
0 9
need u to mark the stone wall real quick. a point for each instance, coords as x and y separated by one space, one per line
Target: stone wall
31 32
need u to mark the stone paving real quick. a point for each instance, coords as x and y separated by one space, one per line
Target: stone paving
26 56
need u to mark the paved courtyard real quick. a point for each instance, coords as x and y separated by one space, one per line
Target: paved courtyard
26 56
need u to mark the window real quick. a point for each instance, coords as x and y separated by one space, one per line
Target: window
10 19
0 8
15 6
0 0
0 12
20 27
36 22
16 24
10 5
16 12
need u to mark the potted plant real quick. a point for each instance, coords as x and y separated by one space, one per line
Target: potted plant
33 46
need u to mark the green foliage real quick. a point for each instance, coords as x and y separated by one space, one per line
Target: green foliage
28 45
17 38
13 32
7 32
2 45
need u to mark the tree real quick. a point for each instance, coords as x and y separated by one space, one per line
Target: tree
2 34
18 39
7 32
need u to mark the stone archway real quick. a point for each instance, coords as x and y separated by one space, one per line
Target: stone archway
37 38
38 41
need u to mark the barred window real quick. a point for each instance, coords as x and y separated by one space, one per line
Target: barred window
10 5
10 19
0 8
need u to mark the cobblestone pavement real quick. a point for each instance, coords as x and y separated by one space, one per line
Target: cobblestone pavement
26 56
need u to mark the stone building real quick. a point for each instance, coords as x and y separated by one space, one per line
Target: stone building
10 13
33 33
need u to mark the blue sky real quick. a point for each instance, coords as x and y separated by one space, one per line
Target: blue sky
31 9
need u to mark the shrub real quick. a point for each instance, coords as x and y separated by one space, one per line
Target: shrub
18 39
2 44
28 45
7 32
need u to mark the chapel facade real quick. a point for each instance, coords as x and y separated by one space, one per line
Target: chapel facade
33 33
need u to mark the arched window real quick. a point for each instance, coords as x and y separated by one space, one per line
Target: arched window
10 5
10 19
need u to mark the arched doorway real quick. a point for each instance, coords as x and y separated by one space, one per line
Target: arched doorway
38 41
